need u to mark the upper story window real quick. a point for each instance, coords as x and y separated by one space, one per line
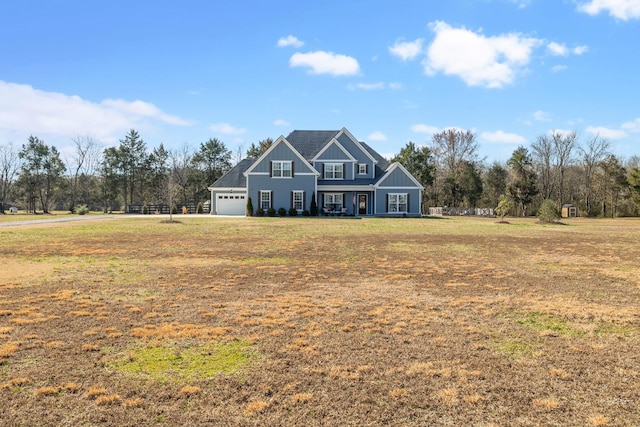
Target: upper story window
333 171
282 169
362 169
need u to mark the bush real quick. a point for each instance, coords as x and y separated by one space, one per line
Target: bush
313 208
271 212
259 212
174 209
145 209
305 213
282 212
548 213
200 208
249 210
82 210
293 212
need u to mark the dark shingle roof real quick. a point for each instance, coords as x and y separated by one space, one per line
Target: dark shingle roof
310 142
234 177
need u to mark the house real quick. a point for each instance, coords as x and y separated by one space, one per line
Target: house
569 211
346 175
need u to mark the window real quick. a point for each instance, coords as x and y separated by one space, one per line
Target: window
397 202
333 171
297 200
265 200
362 169
281 169
333 201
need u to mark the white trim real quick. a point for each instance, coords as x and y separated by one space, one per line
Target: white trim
282 163
280 140
227 189
334 164
369 188
397 204
391 169
326 147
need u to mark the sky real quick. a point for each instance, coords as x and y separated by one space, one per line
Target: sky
391 72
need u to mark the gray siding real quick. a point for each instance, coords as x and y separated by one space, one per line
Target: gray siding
397 179
281 152
333 153
414 201
281 189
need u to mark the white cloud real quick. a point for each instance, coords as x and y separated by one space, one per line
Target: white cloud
633 126
562 132
226 128
25 110
422 128
621 9
557 49
579 50
607 133
491 62
541 116
321 62
501 137
521 3
377 136
396 85
366 86
558 68
281 122
289 41
407 50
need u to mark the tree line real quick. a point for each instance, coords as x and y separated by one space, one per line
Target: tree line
557 166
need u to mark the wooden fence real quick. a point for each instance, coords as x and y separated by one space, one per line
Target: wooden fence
165 209
450 211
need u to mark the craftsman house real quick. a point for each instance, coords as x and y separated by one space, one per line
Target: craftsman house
347 176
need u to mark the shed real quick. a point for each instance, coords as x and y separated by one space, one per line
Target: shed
569 211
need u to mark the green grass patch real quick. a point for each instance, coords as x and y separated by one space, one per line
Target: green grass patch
517 348
544 322
168 363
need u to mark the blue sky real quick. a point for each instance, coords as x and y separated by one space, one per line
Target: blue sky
389 71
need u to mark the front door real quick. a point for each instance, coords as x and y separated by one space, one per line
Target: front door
362 204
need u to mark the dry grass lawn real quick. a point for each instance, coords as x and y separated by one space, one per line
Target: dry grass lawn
298 321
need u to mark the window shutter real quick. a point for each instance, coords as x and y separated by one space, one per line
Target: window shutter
366 168
259 199
292 163
386 198
408 208
270 199
323 175
304 200
270 169
344 171
291 200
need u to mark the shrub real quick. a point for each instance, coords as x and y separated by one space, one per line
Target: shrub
145 209
259 212
305 213
82 210
313 208
250 207
174 209
282 212
200 208
271 212
293 212
548 213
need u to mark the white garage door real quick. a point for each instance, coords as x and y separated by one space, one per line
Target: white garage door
231 204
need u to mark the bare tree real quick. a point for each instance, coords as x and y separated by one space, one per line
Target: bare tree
9 167
543 152
563 144
82 163
592 155
455 146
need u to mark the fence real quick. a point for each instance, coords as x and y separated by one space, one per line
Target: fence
450 211
165 209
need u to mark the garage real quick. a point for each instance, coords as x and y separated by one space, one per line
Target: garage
230 204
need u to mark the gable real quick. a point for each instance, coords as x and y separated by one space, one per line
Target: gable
334 151
280 150
398 177
234 177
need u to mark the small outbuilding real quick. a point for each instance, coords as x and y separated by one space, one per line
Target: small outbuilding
569 211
